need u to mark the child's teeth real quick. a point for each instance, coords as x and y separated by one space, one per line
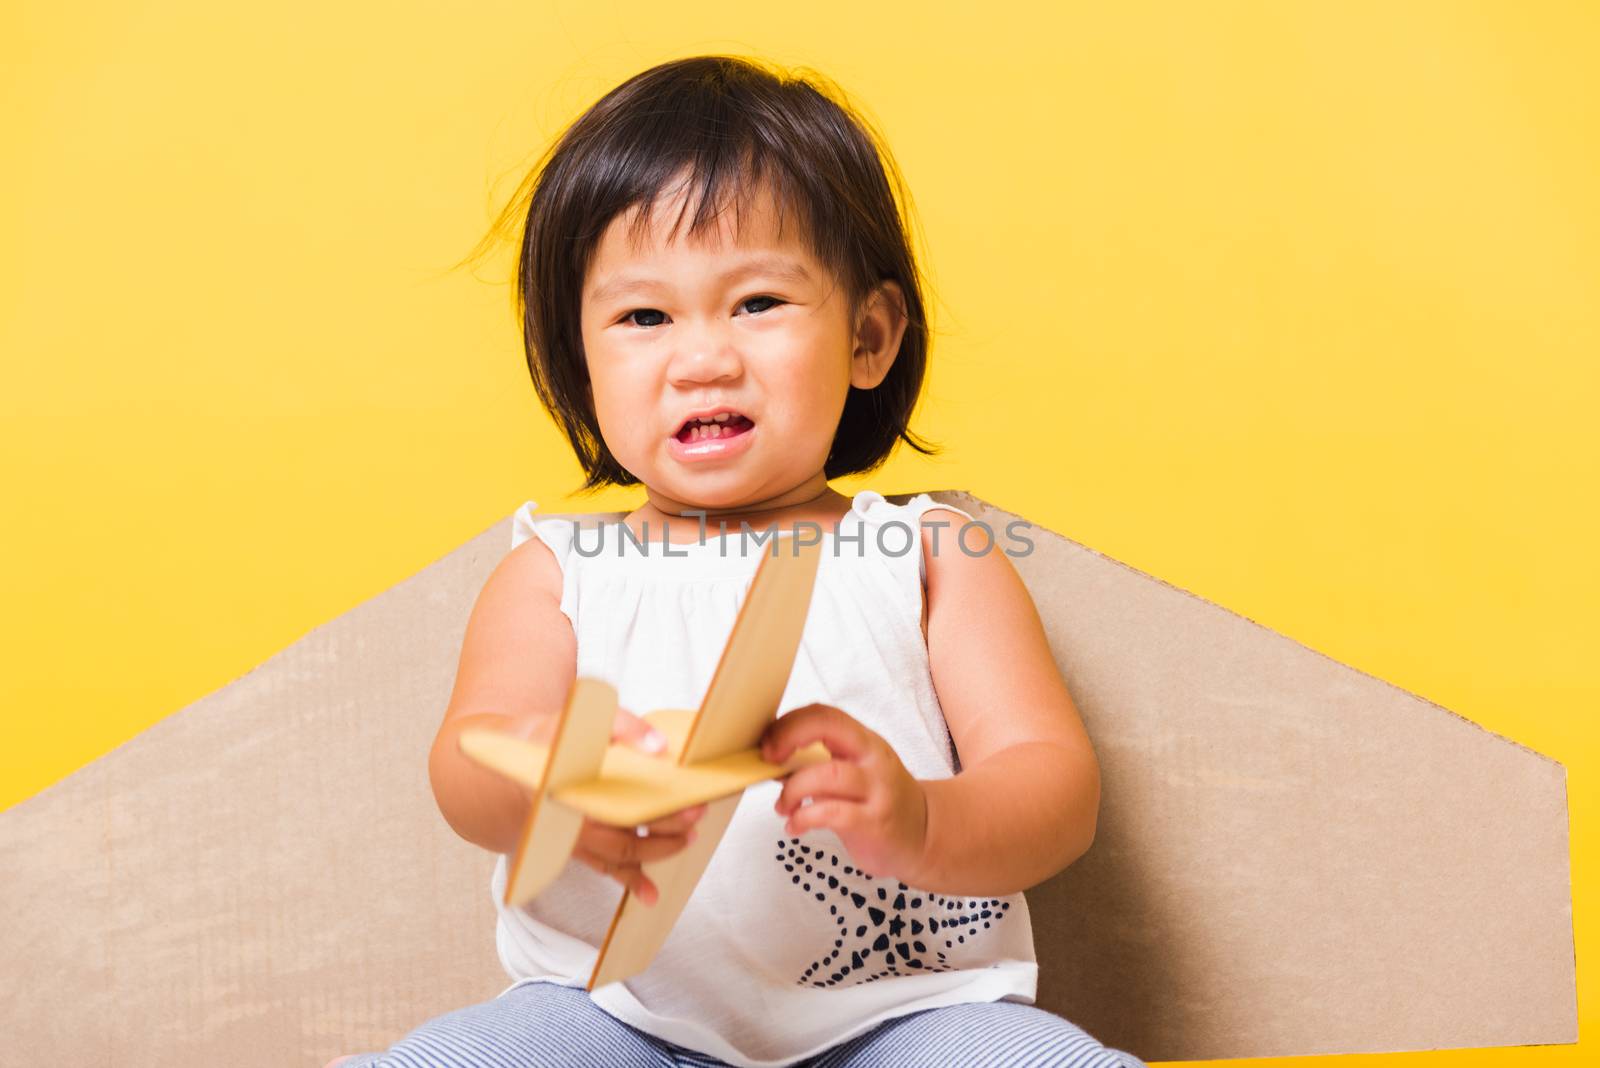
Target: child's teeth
721 428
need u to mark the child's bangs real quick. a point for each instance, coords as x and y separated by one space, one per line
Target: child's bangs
707 182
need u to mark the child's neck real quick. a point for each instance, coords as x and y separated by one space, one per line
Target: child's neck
812 501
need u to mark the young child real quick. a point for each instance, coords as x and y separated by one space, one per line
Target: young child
865 911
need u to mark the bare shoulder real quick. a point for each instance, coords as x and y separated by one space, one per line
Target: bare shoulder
939 529
997 681
532 564
962 572
519 652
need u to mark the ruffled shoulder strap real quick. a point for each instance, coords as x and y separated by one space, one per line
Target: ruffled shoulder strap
946 537
875 508
558 535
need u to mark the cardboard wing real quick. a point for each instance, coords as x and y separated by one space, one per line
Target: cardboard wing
1293 857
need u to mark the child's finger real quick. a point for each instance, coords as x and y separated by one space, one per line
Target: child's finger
837 779
841 817
630 876
637 732
645 890
843 735
639 884
620 845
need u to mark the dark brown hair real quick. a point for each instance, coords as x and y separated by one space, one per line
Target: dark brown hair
730 124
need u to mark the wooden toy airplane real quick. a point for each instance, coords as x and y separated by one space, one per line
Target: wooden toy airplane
712 755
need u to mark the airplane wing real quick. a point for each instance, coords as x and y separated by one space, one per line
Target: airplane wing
632 787
742 699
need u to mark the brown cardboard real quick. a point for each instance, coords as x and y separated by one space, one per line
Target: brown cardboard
1293 857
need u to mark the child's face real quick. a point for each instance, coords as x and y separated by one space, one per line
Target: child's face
708 328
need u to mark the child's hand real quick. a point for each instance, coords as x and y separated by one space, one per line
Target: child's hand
618 851
865 795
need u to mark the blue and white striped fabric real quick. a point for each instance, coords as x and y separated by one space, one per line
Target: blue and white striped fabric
545 1025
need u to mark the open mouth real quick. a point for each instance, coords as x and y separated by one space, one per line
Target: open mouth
711 428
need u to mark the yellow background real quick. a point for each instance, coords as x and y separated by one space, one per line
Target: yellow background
1293 305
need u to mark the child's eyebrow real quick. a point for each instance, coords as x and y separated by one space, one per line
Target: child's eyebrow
776 266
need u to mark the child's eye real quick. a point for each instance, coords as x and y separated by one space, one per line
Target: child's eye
752 300
629 317
640 311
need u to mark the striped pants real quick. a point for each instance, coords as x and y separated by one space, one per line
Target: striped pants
543 1024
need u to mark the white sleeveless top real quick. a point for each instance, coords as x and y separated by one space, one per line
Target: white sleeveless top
785 948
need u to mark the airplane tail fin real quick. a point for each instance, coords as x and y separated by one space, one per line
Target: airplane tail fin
576 752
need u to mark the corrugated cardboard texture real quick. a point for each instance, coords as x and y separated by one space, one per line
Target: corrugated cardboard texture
1293 857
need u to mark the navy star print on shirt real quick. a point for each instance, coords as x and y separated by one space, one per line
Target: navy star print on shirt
892 934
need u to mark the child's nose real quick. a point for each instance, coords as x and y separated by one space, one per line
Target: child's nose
705 358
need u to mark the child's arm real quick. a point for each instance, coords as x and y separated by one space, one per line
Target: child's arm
519 659
518 662
1024 804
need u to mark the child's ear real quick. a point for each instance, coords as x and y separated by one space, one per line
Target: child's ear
879 327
